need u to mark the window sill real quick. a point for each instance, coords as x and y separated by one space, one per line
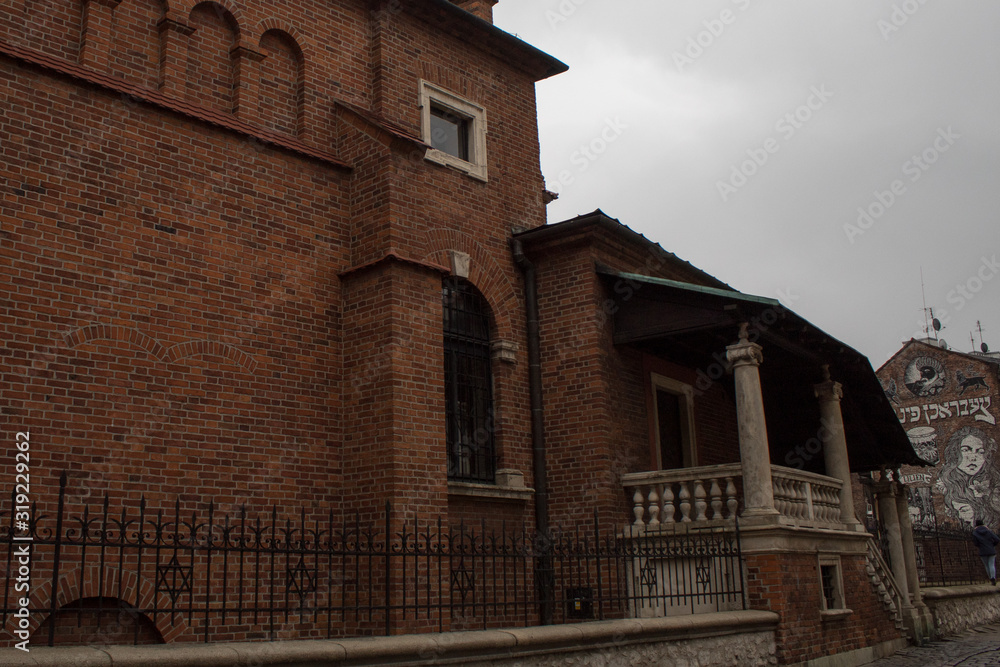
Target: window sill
476 171
834 614
491 491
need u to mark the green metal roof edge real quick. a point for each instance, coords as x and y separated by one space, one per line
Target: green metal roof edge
691 287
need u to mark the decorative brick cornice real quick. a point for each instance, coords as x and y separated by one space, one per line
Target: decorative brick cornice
158 99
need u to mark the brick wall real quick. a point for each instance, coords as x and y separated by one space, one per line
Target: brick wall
598 395
789 585
958 396
222 252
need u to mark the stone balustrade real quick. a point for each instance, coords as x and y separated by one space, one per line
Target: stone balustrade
683 495
806 497
709 493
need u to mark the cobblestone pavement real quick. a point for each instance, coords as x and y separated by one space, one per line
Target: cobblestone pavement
975 648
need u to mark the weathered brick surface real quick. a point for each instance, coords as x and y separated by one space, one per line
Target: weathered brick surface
789 585
962 397
192 312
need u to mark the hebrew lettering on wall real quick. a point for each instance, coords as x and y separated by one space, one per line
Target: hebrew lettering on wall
969 480
977 408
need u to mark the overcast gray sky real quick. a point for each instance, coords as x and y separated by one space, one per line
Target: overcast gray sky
745 136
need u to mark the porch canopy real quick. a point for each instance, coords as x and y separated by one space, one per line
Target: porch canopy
691 325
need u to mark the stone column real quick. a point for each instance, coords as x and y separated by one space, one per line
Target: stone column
834 441
906 536
890 520
758 492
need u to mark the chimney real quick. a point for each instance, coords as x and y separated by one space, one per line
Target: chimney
481 8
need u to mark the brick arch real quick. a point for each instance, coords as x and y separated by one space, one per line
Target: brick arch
485 273
282 81
157 350
305 43
135 47
210 71
232 14
208 348
116 333
134 588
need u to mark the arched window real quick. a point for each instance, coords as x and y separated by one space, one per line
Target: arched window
468 383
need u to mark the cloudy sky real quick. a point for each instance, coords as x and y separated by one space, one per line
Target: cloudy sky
823 152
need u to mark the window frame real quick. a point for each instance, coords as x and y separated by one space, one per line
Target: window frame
685 392
432 96
832 562
474 467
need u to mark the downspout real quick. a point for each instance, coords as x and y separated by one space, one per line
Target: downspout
544 570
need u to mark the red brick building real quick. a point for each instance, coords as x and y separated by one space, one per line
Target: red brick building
947 402
294 253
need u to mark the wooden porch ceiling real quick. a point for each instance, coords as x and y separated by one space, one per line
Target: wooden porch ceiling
691 325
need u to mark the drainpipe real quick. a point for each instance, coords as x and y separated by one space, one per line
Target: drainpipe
544 570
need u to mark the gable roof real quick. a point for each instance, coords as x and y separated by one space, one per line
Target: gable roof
915 342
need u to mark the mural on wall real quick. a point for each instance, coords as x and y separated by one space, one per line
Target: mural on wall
921 506
925 376
968 480
971 381
923 439
891 392
977 408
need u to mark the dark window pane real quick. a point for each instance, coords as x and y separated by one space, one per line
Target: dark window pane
450 133
468 383
668 415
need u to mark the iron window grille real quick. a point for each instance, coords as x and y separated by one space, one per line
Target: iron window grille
468 383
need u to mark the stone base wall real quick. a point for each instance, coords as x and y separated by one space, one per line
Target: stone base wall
725 639
959 608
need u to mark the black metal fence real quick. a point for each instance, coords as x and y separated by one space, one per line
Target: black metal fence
947 558
200 574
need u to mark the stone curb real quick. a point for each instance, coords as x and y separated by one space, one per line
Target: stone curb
403 649
943 593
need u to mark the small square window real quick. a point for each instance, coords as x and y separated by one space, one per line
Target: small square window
831 583
455 130
450 132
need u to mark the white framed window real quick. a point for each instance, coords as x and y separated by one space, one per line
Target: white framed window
673 423
831 583
455 130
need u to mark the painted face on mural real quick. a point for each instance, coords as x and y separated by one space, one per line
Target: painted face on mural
965 512
973 455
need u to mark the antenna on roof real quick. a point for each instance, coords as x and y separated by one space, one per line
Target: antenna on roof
923 298
982 345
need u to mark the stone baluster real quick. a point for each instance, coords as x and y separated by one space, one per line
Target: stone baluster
668 503
810 503
685 497
781 496
638 506
654 506
831 501
699 500
732 504
715 498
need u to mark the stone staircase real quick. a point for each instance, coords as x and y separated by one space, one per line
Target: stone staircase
885 585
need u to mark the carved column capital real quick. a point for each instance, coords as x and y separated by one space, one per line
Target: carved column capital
829 391
745 353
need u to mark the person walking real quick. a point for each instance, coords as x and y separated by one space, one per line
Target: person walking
986 541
